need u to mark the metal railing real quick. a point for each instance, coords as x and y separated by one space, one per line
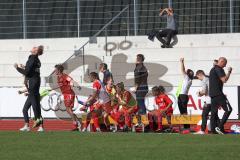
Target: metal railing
93 39
81 18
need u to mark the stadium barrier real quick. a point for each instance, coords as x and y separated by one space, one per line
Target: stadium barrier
11 103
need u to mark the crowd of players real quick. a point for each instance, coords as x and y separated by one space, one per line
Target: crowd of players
110 99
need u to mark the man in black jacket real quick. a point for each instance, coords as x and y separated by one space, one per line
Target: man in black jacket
141 84
217 78
106 73
32 73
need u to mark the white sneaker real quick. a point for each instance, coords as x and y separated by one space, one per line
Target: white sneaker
37 122
84 130
40 129
133 128
115 128
218 130
79 127
137 124
98 130
25 129
199 132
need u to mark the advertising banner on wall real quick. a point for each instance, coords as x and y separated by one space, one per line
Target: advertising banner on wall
11 103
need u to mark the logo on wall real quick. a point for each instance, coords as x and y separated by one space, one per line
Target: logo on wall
120 68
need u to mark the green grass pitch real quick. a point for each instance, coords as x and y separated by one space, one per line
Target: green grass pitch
117 146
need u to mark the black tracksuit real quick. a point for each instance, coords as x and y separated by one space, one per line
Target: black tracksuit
32 73
218 99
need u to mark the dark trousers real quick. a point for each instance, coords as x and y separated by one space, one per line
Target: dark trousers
205 114
141 93
34 101
182 105
216 102
168 33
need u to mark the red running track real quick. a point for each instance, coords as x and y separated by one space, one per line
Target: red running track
49 125
59 125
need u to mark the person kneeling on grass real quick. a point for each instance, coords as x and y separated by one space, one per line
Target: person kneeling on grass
65 83
128 103
164 108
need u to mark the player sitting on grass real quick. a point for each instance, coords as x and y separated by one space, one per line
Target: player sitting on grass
100 93
164 108
65 83
128 105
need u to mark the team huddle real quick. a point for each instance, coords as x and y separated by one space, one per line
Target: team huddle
111 100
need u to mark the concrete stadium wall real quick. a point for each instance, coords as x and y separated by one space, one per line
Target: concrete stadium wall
199 52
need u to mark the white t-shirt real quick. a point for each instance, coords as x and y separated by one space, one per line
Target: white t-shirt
186 84
205 89
103 96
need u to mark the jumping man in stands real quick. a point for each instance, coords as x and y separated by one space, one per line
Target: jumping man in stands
171 28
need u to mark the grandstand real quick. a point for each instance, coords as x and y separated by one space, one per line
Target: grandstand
83 18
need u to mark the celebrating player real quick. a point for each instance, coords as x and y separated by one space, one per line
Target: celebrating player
99 93
128 103
32 72
25 92
164 108
65 84
183 90
115 114
94 114
217 78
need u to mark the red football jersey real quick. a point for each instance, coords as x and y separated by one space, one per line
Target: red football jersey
163 101
97 85
64 82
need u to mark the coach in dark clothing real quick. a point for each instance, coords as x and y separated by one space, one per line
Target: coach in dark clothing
32 73
217 77
141 84
171 29
106 73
